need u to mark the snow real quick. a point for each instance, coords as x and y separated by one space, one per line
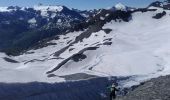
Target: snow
59 21
101 18
53 15
44 10
107 15
32 21
120 6
18 72
85 15
33 66
49 8
4 9
140 48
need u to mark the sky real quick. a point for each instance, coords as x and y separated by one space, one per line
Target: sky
79 4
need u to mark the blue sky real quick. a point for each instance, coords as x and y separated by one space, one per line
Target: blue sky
79 4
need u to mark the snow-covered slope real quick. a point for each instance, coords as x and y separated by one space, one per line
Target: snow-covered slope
139 47
134 49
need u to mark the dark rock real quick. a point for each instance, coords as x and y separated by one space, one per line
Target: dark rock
65 37
69 42
78 57
159 15
96 35
107 43
10 60
51 75
34 60
107 31
155 89
71 49
57 54
167 6
156 4
109 39
160 4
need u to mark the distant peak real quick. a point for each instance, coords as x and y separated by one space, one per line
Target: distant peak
120 6
165 4
8 9
49 7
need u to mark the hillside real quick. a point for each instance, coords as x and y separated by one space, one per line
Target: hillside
48 45
108 47
23 27
155 89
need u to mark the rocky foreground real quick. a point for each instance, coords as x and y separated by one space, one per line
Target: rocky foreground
92 89
155 89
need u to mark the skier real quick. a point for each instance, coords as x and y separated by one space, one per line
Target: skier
113 90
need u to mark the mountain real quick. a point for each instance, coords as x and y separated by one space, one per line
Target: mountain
22 27
164 5
57 44
87 13
121 7
105 44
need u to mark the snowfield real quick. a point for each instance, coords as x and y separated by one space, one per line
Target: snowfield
139 48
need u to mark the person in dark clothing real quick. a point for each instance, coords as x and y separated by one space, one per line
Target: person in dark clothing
113 90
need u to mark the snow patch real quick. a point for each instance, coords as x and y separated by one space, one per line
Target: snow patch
120 6
59 21
101 18
49 8
32 21
44 9
4 9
